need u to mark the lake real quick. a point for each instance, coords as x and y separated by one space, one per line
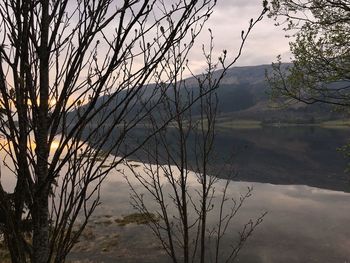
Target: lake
297 155
298 178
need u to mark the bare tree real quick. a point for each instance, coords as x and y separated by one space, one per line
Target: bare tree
71 75
178 175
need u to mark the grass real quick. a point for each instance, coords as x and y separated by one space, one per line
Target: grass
4 254
336 124
239 124
137 218
254 124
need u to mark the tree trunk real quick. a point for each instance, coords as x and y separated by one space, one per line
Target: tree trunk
40 209
41 229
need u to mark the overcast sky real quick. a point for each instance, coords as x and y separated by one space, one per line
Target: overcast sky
229 18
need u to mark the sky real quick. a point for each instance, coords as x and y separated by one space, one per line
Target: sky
229 18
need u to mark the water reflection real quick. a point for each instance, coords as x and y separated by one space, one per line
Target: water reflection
294 167
288 155
279 155
303 224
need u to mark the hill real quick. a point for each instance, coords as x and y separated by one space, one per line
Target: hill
243 96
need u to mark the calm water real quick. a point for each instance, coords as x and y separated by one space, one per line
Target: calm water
288 155
303 224
298 178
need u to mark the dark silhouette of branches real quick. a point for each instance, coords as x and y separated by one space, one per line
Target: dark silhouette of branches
178 177
72 74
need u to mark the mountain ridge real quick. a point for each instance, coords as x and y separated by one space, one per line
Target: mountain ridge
244 95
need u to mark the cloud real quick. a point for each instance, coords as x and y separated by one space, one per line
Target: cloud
228 20
224 4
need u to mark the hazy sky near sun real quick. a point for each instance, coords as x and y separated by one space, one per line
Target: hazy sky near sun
229 18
